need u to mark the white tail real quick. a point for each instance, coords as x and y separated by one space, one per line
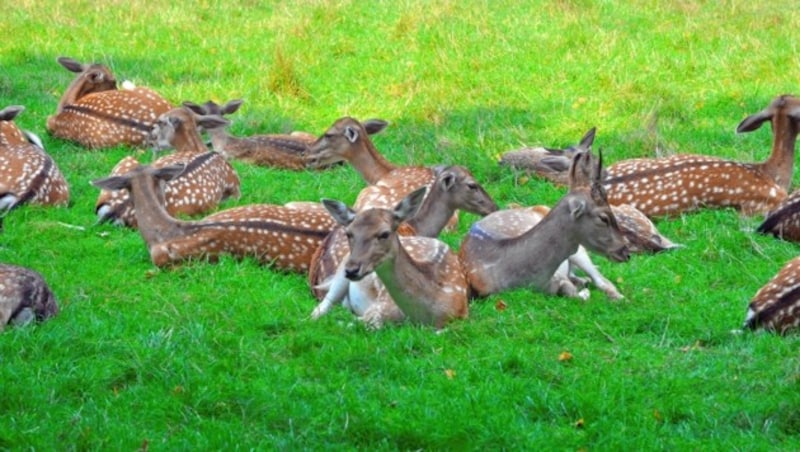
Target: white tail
277 235
207 180
95 114
422 275
24 296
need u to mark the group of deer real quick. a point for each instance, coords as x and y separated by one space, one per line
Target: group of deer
381 258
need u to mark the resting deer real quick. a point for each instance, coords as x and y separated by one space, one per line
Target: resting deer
207 180
776 306
27 173
421 274
502 252
277 235
276 150
24 296
95 114
454 188
683 183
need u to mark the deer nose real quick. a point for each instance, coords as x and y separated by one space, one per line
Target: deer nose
353 272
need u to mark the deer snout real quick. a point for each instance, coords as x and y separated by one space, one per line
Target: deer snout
353 272
621 254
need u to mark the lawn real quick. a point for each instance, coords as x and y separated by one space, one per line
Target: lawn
224 356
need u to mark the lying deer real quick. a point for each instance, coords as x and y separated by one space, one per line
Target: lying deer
27 173
682 183
277 235
454 188
207 180
421 274
502 252
784 221
94 113
776 306
24 296
276 150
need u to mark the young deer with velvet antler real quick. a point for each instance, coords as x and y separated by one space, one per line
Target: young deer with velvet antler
277 235
27 173
24 296
276 150
776 306
502 251
94 113
682 183
421 274
207 180
454 188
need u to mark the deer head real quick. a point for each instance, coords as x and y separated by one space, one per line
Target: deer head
342 140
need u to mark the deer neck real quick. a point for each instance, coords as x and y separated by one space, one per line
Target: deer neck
371 164
432 216
220 138
406 281
154 222
780 164
187 139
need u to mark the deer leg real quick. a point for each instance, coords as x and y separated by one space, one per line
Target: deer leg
337 290
560 284
379 313
582 260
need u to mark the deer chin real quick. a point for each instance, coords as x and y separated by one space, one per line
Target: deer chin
621 254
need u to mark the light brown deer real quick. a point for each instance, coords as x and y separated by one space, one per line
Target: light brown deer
27 173
275 150
207 180
503 252
776 306
94 113
683 183
784 221
24 296
421 274
454 188
281 236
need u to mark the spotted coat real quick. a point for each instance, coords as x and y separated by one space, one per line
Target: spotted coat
24 296
776 306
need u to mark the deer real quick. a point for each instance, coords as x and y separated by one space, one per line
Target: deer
783 222
27 173
24 296
207 180
286 151
683 183
454 188
502 251
95 114
776 305
421 274
282 237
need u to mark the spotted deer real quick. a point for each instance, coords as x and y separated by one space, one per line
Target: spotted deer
275 150
94 113
277 235
783 222
207 180
24 296
683 183
421 274
27 173
503 252
776 306
454 188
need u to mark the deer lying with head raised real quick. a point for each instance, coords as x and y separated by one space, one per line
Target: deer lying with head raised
503 252
454 188
276 150
27 173
24 296
277 235
94 113
776 306
421 274
207 179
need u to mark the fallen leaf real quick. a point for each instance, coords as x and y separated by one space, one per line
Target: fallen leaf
450 373
579 423
657 415
565 356
500 305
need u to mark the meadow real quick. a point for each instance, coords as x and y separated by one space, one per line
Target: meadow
224 356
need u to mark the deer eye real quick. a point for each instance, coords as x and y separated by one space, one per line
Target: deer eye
349 235
604 219
472 186
384 235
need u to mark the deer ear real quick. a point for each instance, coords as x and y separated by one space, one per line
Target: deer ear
112 183
447 180
10 112
339 211
373 126
197 109
169 172
409 206
351 134
576 207
755 121
232 106
588 139
70 64
212 122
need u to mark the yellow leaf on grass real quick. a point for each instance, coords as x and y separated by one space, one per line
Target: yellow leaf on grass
565 356
450 373
500 305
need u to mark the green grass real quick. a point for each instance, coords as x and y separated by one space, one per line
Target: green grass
224 357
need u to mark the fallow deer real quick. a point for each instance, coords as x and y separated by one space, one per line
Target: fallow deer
776 306
502 251
683 183
27 173
784 221
24 296
277 235
421 274
275 150
454 188
207 180
94 113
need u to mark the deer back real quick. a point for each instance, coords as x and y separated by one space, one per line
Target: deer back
776 306
547 163
10 134
24 296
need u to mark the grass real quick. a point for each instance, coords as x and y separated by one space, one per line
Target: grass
224 357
